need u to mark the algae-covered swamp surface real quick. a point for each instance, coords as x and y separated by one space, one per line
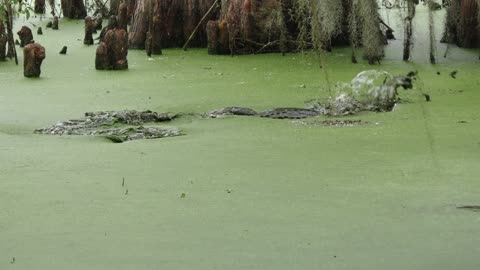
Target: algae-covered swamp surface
238 192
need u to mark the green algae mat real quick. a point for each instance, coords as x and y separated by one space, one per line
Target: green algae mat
238 192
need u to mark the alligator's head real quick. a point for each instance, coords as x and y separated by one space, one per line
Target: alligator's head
402 81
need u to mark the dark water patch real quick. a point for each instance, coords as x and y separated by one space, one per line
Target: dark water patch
475 208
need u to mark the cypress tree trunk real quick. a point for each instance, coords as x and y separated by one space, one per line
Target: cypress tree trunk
39 6
114 4
468 25
169 23
139 26
431 29
3 42
407 43
74 9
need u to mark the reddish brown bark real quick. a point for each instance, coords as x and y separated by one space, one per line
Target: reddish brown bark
468 31
112 52
251 25
169 22
33 56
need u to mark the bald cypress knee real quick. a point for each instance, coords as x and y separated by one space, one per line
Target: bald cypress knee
89 29
33 56
112 52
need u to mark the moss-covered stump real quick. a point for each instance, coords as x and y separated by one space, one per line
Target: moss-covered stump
33 56
25 35
113 50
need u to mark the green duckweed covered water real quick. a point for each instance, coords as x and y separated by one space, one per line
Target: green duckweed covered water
258 193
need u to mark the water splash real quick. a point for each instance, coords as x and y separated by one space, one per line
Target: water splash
370 90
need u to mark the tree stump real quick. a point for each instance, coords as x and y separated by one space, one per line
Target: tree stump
112 52
3 42
25 35
89 28
55 23
33 56
39 6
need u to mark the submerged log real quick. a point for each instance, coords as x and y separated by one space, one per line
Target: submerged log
25 35
112 52
33 56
